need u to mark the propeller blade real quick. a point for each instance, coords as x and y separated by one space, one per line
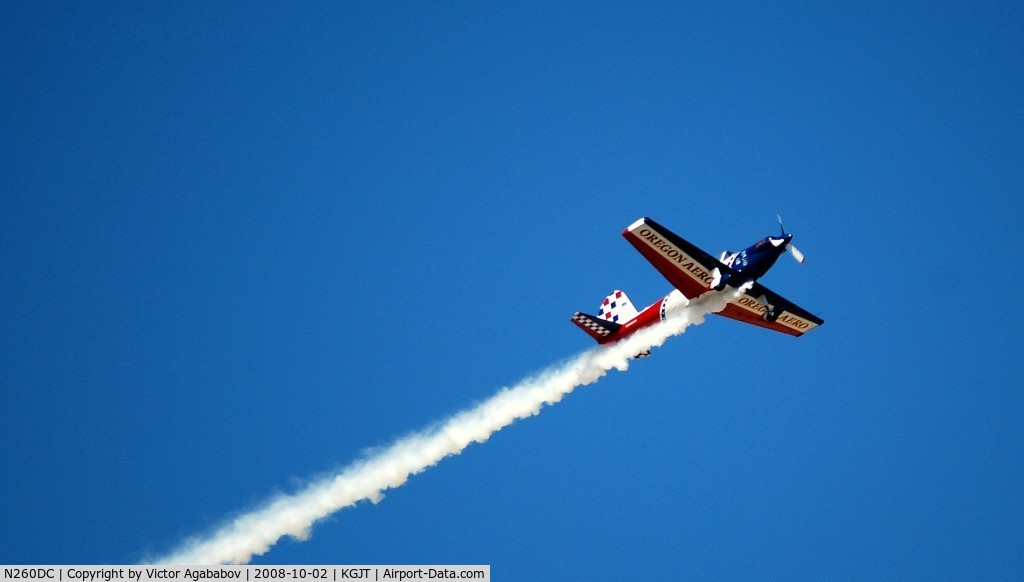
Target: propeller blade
783 228
796 254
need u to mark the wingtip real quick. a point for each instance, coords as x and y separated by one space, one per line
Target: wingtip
631 230
637 223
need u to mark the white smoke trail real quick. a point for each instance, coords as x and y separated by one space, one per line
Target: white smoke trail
293 515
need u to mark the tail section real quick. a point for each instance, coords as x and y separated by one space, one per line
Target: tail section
616 310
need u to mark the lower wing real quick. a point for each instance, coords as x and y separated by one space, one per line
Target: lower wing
763 307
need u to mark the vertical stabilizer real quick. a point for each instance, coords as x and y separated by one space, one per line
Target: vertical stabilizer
617 308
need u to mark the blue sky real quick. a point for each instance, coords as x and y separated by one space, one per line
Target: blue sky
242 243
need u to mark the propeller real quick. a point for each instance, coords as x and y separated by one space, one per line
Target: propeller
797 255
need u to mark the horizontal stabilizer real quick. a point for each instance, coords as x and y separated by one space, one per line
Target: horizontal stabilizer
597 328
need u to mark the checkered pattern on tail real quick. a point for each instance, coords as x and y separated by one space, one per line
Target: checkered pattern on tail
595 327
617 308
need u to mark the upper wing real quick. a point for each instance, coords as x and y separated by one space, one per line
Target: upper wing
750 308
684 265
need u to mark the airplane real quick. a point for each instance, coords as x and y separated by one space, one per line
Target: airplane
693 273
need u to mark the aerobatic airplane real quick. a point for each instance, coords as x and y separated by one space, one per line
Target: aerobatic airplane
693 273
